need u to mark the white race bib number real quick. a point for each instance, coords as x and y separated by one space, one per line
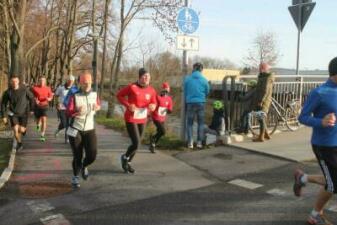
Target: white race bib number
140 113
162 111
72 132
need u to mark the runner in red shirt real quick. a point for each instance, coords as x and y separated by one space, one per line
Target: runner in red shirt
164 106
139 98
43 95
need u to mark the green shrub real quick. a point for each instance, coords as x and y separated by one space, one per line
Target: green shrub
169 142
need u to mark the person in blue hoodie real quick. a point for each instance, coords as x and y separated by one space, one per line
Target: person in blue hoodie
319 112
196 89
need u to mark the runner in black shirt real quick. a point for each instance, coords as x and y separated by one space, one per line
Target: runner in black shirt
20 102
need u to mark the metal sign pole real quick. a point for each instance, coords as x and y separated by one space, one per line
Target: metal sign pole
299 40
183 105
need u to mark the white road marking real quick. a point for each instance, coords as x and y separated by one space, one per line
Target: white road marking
277 192
57 219
40 206
245 184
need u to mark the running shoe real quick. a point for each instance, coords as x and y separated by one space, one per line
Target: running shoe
19 146
42 138
130 169
199 145
75 181
85 173
318 220
152 144
298 184
125 164
56 133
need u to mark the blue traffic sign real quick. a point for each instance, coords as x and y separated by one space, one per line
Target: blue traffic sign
188 20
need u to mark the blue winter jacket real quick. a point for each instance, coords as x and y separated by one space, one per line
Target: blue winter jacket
196 88
74 89
320 102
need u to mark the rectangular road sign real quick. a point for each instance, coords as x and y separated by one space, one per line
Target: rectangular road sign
190 43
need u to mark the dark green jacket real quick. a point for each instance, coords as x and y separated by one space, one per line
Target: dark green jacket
263 92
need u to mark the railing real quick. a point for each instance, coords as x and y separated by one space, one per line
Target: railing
299 86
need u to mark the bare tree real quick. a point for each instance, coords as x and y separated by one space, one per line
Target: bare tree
214 63
105 36
14 12
161 12
264 49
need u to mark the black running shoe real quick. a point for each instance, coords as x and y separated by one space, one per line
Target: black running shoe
130 169
125 164
19 146
152 144
85 173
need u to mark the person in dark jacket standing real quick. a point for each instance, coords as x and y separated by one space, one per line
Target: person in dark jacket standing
20 101
319 112
247 99
262 99
196 89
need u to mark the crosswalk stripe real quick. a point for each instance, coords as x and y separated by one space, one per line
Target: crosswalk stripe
57 219
277 192
245 184
40 206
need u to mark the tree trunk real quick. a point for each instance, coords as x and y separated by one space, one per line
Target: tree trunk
116 67
106 16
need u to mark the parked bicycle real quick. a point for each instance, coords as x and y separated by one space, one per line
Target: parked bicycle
287 115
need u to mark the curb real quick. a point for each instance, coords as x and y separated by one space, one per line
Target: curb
6 174
264 154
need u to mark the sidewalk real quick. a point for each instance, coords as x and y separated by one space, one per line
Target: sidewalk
294 146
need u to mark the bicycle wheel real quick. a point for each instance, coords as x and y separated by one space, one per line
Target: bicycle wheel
291 116
271 121
253 124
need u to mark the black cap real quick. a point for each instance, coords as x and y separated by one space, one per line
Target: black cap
198 66
142 71
333 67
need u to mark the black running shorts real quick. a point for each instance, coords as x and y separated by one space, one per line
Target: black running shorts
327 159
18 120
39 112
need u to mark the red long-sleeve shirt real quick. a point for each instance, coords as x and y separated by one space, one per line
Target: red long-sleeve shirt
165 105
141 97
42 93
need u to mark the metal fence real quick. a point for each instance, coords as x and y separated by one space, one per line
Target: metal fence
233 90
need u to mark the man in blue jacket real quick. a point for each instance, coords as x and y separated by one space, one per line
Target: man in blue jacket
196 89
319 112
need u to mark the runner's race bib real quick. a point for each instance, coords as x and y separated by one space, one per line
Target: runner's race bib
162 111
72 132
140 113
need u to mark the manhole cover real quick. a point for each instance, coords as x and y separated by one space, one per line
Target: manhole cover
44 189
